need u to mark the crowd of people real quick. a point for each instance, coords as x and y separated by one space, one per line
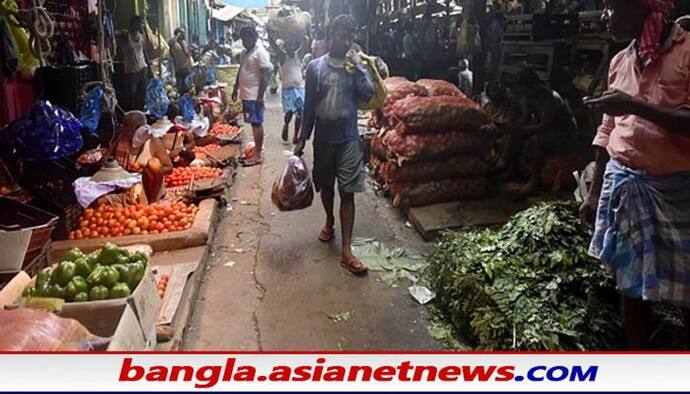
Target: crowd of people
641 146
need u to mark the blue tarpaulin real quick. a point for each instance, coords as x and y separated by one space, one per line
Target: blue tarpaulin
247 3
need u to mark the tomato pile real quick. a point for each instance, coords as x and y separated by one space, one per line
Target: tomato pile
107 221
163 285
224 129
206 149
182 176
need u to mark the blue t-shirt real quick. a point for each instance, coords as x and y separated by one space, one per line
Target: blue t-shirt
330 104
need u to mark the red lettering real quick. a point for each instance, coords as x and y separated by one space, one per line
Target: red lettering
449 374
404 368
334 373
157 373
366 373
302 374
477 373
384 374
128 368
280 373
207 380
431 372
229 368
176 370
505 373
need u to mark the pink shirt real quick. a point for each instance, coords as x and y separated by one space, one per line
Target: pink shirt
634 141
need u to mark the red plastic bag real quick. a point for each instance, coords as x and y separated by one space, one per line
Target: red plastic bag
419 147
439 114
293 189
437 87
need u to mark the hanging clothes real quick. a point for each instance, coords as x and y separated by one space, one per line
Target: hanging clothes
10 60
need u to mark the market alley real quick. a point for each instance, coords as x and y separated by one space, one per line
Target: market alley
271 285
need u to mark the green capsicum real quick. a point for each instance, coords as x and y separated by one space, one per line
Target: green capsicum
125 274
137 271
80 283
81 297
139 256
43 276
57 291
120 290
98 293
73 255
108 254
96 276
42 290
82 267
64 273
71 291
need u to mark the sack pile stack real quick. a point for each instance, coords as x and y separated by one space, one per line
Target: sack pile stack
432 148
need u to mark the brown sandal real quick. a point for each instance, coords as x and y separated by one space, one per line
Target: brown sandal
327 234
355 266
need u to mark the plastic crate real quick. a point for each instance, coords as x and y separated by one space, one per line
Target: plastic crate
67 209
49 179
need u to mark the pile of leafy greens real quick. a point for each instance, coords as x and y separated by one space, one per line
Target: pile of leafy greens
529 285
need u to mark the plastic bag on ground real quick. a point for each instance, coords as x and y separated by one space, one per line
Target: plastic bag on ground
293 189
26 329
44 133
439 114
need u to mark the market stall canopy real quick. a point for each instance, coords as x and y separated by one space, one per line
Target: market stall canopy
247 3
227 13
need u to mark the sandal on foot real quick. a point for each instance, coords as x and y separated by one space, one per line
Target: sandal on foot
327 234
252 162
355 266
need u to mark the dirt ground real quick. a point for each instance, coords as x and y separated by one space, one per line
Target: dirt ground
271 285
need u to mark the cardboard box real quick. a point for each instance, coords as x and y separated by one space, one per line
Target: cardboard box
117 322
144 303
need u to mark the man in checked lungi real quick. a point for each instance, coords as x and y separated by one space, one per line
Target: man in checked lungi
641 191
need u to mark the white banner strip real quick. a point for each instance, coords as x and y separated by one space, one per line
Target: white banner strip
345 372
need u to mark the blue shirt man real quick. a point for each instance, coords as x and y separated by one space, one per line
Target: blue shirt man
330 112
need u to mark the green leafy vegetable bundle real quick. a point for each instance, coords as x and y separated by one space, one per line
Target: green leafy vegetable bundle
528 285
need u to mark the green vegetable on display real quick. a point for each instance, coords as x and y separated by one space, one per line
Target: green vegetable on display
120 290
98 293
110 272
81 297
73 255
529 285
63 273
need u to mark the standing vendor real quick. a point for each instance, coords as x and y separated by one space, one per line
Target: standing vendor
135 150
136 66
642 175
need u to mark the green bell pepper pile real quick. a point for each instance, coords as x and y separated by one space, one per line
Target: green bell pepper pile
108 273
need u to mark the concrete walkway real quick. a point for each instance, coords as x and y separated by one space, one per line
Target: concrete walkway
271 285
